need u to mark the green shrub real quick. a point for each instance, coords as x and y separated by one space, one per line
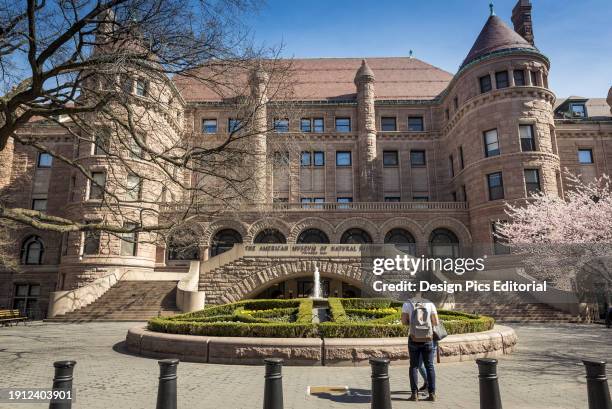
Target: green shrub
336 310
304 313
351 318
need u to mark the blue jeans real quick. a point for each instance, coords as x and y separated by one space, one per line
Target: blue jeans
422 370
422 351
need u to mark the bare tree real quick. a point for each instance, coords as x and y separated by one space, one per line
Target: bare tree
109 73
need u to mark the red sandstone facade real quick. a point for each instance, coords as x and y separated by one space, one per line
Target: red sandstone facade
396 151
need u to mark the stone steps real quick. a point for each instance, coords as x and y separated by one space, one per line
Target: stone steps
128 301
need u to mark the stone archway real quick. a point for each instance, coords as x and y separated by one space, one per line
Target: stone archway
218 225
246 287
310 223
359 223
268 223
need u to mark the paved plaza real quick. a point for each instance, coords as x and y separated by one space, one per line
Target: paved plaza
544 373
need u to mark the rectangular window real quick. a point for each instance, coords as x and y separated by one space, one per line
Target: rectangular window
319 158
420 198
585 156
343 124
39 204
485 84
446 114
209 125
527 138
456 102
454 196
534 78
501 79
343 158
500 243
96 185
519 78
45 160
305 159
305 125
415 124
101 142
344 200
91 244
532 181
390 158
318 125
417 159
26 300
392 199
134 187
578 110
129 241
451 166
491 143
280 159
233 125
281 125
496 186
388 124
280 200
464 192
461 162
141 87
135 150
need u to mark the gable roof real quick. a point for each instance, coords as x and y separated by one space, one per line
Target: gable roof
496 36
316 79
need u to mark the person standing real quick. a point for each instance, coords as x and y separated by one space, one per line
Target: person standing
421 316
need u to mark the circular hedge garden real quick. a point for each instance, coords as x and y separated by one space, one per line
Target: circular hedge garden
349 318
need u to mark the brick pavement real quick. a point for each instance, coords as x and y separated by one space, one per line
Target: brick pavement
544 373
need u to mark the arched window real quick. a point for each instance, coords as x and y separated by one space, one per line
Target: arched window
183 245
355 236
402 239
272 236
443 243
312 236
32 250
223 241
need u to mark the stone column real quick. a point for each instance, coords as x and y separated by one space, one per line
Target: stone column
366 128
6 158
257 142
511 77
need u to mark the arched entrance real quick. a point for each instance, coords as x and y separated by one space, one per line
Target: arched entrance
312 236
443 243
302 287
223 241
269 236
402 239
356 236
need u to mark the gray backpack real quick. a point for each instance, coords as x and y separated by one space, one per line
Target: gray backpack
421 329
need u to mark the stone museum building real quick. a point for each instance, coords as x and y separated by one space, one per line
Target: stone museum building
390 150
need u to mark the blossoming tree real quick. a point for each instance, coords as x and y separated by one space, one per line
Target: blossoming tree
560 237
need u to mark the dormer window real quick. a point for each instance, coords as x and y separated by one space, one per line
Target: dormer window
578 110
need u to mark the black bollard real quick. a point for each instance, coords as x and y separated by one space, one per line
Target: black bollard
273 388
166 391
381 393
597 385
62 380
489 387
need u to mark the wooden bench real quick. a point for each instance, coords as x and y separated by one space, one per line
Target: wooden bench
8 317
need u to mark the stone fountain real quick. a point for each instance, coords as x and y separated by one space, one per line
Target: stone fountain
320 305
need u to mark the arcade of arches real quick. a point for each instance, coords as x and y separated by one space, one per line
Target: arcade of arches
441 242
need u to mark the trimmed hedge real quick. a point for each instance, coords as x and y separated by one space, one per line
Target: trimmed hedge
256 318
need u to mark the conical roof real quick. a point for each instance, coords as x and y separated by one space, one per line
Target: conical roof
496 36
364 71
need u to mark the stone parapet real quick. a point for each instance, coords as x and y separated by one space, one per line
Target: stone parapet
499 341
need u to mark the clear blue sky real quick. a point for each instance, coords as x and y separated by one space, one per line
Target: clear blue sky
576 35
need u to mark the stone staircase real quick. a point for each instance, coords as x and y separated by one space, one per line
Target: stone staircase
128 301
506 307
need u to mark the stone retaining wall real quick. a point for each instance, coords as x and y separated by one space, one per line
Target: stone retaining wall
312 351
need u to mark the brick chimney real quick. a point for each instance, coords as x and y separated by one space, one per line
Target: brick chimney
521 18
